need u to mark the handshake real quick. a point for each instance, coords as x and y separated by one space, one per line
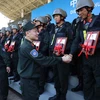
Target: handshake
67 58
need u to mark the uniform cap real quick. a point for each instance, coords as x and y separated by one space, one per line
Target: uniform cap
28 26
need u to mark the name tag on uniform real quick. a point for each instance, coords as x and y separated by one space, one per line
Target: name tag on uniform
13 43
34 53
37 44
8 41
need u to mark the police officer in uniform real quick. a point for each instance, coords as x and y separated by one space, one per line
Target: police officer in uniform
29 61
41 23
76 67
91 65
8 38
20 28
50 26
51 30
4 68
13 49
61 71
6 46
3 38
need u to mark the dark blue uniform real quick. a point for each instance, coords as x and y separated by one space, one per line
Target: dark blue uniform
29 69
91 66
4 62
61 71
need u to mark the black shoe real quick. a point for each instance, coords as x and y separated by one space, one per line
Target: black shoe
77 88
16 79
55 97
41 91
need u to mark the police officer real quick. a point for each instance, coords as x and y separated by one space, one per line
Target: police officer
77 61
4 68
62 29
29 61
50 26
41 23
13 49
20 24
20 28
0 34
91 66
3 38
8 38
6 46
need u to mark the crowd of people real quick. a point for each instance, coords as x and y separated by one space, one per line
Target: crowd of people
22 58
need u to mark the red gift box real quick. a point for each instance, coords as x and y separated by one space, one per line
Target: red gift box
60 45
90 43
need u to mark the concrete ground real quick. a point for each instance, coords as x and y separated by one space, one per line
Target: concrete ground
14 95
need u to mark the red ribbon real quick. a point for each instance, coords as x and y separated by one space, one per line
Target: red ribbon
86 48
58 48
10 49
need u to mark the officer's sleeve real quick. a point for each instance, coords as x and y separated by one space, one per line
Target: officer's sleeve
18 43
69 35
5 57
45 45
41 59
75 44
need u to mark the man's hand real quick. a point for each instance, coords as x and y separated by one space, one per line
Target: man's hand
67 58
8 69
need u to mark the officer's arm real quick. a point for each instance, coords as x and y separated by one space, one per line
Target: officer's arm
70 36
5 57
75 44
40 59
18 43
45 46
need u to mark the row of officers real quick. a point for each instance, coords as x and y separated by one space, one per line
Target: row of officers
30 62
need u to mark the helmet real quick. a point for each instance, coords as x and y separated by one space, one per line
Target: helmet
84 3
25 20
14 27
24 23
42 19
60 12
3 30
49 16
8 29
20 22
